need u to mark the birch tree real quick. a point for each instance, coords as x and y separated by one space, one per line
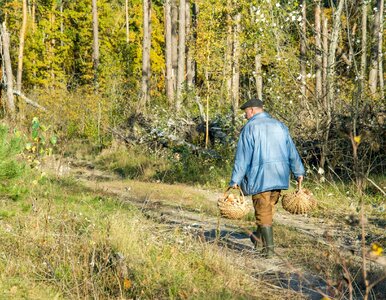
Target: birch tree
95 45
10 103
318 51
376 43
127 21
168 52
303 51
21 47
174 8
324 57
189 56
181 54
362 76
331 60
146 45
380 50
236 63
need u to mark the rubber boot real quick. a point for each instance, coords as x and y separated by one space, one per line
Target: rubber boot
267 237
256 237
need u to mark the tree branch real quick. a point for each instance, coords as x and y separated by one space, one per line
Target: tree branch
29 101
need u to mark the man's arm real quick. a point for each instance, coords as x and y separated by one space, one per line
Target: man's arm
295 161
242 159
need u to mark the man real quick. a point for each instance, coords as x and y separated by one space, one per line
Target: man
265 156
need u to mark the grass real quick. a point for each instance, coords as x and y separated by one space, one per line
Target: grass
64 241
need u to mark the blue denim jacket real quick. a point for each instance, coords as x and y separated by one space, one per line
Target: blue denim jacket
265 156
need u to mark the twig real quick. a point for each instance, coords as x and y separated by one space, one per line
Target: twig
379 188
373 284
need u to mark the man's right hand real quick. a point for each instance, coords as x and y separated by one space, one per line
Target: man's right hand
235 186
300 180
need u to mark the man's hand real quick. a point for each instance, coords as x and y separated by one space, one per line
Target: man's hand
300 180
235 186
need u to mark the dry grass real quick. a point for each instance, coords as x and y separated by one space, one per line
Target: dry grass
66 242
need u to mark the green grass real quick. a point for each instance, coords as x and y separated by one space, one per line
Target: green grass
62 240
67 239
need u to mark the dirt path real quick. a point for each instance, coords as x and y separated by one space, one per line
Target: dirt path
230 234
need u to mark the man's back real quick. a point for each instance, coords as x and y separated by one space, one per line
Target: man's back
265 155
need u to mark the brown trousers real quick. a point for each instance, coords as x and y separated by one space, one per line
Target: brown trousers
264 204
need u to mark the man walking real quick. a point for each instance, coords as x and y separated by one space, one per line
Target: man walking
265 156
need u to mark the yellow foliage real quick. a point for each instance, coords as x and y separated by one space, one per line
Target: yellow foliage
376 249
127 284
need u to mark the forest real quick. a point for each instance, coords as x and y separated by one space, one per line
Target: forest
144 96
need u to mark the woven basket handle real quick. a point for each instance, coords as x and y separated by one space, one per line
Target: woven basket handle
238 188
299 186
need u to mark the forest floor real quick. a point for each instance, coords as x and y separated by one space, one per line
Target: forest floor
298 266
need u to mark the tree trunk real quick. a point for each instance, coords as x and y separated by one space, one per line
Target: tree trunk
373 74
303 53
168 54
324 58
376 47
21 47
258 75
146 45
228 55
33 14
127 21
95 45
181 54
362 76
189 58
10 104
380 50
318 52
61 23
195 12
331 80
174 9
331 55
236 64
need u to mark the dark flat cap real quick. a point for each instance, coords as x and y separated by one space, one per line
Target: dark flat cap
254 102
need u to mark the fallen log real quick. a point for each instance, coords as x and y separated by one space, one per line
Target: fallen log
29 101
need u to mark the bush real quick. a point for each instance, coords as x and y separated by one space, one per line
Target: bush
11 168
10 147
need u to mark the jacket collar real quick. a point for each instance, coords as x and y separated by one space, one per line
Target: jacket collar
260 116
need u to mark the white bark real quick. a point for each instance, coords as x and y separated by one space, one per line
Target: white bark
363 50
258 74
318 50
373 74
181 54
8 70
331 55
21 47
303 52
324 58
95 45
168 53
127 21
380 50
174 9
146 45
236 64
189 37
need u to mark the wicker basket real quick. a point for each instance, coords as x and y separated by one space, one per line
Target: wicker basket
231 206
301 201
